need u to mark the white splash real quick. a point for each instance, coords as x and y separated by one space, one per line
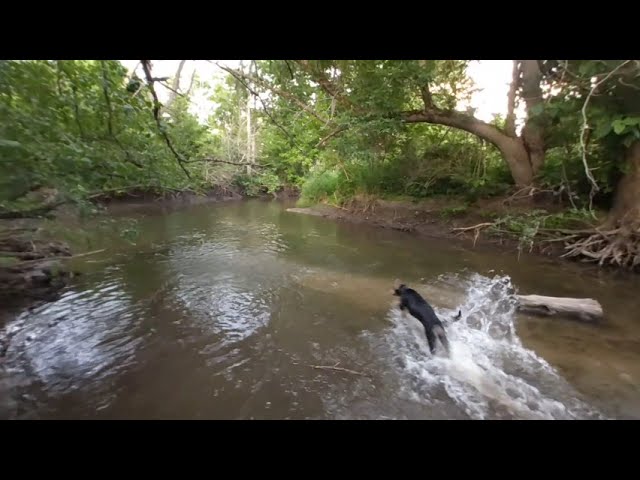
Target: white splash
490 375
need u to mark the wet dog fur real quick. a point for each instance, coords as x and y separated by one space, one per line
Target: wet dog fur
419 308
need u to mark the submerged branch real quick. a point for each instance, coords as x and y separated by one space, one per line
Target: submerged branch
335 368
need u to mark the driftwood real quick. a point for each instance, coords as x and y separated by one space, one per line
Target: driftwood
586 309
335 368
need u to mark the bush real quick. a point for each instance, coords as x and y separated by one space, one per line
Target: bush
320 186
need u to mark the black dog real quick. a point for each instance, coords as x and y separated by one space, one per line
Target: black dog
420 309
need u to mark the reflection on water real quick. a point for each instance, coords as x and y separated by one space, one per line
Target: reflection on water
245 310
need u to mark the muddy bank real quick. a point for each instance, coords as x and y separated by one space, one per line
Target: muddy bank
437 218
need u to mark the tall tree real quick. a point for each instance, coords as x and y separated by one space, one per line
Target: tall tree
421 91
174 91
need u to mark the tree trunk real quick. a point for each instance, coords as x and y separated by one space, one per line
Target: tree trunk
175 88
533 131
512 149
193 78
510 121
248 151
626 205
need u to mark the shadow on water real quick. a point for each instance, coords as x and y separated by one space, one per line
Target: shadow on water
244 310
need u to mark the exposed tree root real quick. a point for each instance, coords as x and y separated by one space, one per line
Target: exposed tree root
618 247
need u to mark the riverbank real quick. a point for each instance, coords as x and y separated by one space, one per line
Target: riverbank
521 226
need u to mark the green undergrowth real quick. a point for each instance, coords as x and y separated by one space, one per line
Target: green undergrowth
539 224
407 179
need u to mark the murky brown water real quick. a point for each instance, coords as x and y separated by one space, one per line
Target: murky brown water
230 311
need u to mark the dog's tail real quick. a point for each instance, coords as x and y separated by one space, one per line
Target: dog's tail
442 336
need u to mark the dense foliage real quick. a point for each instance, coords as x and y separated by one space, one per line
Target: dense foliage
85 127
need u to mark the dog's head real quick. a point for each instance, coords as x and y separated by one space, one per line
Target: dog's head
398 288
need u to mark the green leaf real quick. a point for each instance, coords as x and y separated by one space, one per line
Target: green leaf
602 130
9 143
619 126
632 121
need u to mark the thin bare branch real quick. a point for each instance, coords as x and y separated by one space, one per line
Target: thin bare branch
290 69
277 91
328 86
240 77
62 257
322 142
334 367
146 66
585 128
172 91
473 227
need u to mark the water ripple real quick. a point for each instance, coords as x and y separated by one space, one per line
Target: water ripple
81 338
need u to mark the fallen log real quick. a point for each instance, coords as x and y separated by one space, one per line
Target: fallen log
586 309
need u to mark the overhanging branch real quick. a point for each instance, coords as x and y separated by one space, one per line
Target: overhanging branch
456 119
146 66
328 86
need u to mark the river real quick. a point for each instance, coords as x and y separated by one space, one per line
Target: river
243 310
